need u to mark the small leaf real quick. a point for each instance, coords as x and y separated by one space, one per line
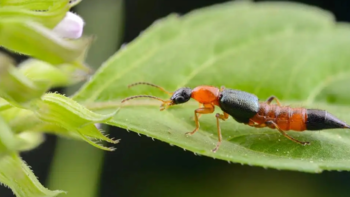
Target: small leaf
26 123
56 76
8 140
289 50
52 103
16 174
90 133
15 87
23 120
30 140
63 111
20 119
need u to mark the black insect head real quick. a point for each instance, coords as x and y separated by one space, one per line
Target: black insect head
181 95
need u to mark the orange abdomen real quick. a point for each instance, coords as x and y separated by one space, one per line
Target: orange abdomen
285 117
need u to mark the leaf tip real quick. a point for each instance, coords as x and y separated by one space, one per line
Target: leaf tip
114 141
107 139
58 192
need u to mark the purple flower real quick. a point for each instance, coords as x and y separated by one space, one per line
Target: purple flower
70 27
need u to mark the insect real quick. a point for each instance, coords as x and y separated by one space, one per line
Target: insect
246 108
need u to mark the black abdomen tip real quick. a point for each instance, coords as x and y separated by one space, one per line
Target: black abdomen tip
320 119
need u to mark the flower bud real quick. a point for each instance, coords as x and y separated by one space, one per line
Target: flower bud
71 26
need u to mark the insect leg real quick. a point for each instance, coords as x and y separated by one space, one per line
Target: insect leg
207 109
222 117
271 98
200 106
222 88
254 124
270 122
259 125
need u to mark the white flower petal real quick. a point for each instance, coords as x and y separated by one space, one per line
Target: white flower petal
70 27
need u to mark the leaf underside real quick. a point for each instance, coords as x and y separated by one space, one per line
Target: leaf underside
295 52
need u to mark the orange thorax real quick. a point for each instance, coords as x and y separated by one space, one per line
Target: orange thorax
206 94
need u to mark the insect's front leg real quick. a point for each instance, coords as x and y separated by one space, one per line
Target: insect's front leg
206 109
199 115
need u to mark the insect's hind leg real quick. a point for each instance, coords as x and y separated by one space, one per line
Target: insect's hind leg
222 117
271 98
269 123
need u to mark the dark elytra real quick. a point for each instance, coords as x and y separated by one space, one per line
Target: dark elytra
239 104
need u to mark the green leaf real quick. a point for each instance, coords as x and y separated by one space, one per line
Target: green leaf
56 76
11 141
30 4
24 36
37 4
4 104
26 123
64 112
288 50
16 174
16 87
30 140
54 13
74 2
20 119
8 140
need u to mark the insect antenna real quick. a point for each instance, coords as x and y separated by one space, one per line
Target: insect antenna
165 104
150 84
142 96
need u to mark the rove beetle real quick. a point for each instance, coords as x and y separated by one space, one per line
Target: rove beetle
246 108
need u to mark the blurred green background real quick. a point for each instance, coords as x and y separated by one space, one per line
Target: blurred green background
143 167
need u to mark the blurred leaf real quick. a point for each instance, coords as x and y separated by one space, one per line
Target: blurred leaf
283 49
30 4
74 2
15 87
8 141
63 111
54 13
17 175
4 104
30 140
47 5
24 36
58 76
26 123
